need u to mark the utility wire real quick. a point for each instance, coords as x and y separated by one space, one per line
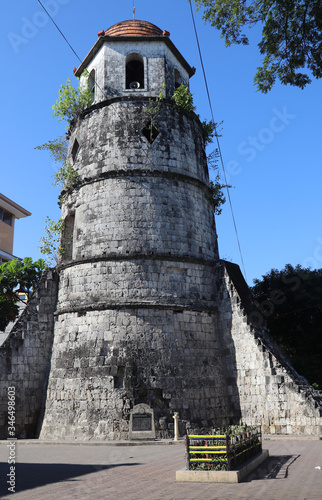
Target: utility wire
217 139
62 34
210 105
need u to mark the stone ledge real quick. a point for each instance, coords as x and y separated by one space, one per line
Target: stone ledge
291 437
233 476
100 306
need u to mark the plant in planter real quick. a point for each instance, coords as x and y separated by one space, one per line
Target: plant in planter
223 450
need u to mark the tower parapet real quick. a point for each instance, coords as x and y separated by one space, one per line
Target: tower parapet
134 58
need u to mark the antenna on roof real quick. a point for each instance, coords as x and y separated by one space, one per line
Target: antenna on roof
133 11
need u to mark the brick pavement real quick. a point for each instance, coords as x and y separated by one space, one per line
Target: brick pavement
106 471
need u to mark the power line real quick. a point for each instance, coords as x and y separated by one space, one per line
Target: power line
62 34
217 140
210 105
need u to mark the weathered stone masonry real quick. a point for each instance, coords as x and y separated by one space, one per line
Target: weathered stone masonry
25 359
145 312
270 390
136 308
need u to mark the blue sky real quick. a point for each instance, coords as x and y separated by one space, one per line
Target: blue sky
270 144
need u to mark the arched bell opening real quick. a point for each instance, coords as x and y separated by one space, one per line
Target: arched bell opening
134 72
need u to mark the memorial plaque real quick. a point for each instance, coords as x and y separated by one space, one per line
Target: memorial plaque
142 422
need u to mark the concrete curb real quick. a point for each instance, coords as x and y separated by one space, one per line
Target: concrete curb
232 476
94 443
290 437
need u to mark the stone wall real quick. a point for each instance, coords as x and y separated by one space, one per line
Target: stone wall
106 362
25 359
136 314
146 313
271 392
111 141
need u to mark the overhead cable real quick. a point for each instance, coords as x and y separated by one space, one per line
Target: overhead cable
217 140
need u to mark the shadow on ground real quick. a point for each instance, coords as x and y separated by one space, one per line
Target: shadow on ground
29 476
274 467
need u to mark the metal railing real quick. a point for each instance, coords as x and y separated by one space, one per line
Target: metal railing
222 451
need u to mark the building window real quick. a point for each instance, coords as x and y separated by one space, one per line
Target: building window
91 83
134 72
177 79
75 150
68 237
6 217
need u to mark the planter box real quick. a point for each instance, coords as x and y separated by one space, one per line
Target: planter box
231 476
223 451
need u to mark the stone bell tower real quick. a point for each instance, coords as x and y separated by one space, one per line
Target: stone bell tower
136 320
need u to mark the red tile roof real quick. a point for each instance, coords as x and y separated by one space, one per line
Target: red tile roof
133 28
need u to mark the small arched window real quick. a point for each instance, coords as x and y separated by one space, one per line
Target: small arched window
75 150
177 79
68 237
134 72
91 83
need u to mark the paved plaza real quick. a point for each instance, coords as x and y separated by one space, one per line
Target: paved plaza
147 471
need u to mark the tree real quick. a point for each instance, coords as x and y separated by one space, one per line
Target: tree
50 242
65 176
291 36
291 302
15 277
71 102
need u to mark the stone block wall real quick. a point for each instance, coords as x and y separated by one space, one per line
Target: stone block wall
111 141
125 282
25 359
271 392
105 362
136 313
141 214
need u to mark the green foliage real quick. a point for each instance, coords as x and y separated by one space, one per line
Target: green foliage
50 242
71 102
184 103
153 111
290 301
234 430
291 36
65 176
208 130
216 195
15 277
243 442
183 100
57 149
